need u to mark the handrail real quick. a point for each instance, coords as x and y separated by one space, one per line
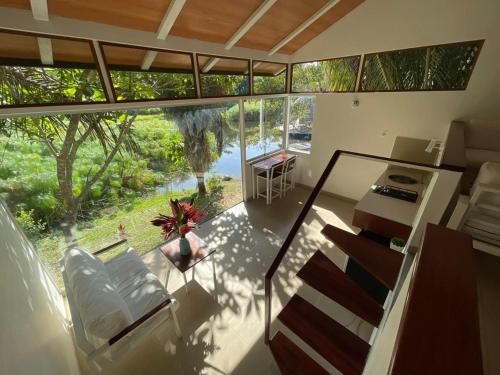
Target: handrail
427 340
305 210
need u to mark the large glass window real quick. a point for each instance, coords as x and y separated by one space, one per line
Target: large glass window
264 126
269 78
119 171
444 67
223 76
141 74
334 75
47 70
300 123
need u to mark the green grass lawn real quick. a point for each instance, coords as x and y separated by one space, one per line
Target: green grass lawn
135 216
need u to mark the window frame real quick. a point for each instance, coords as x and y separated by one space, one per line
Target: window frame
200 73
291 91
94 66
286 89
473 66
138 69
289 106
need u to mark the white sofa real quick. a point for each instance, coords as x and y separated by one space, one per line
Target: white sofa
113 304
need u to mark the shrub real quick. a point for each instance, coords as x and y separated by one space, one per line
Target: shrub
31 226
214 183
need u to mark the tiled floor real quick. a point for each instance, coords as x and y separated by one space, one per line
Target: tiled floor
223 327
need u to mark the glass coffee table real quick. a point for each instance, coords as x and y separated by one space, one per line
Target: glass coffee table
199 252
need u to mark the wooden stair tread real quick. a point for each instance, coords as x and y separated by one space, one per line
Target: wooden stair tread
339 346
291 359
323 275
382 262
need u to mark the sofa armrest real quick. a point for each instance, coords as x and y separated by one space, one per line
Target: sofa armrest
112 246
139 321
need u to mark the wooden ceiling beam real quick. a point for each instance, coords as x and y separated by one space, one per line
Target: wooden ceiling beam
173 11
210 64
325 8
169 18
247 25
40 10
148 59
45 49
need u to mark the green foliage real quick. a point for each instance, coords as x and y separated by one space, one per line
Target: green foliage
214 183
269 84
136 85
398 242
39 85
224 84
31 226
328 75
445 67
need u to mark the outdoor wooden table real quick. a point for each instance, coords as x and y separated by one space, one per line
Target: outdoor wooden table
266 165
199 252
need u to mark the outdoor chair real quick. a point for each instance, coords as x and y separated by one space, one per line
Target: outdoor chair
113 304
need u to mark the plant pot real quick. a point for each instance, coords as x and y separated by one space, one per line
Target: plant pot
397 244
184 247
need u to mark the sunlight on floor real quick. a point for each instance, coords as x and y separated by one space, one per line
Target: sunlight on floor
223 323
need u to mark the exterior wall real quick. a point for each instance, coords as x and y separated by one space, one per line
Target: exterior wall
372 127
35 339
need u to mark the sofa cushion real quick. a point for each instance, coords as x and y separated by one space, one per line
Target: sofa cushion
137 285
102 310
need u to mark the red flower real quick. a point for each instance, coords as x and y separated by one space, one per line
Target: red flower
184 218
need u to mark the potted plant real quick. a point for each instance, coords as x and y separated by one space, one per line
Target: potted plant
397 244
185 217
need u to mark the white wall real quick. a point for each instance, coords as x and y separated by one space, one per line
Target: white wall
34 339
379 25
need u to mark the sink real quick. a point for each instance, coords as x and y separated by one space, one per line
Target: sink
401 179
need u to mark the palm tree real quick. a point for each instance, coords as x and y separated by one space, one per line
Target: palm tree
200 127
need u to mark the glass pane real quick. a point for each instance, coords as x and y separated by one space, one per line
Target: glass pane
264 124
269 78
223 76
126 165
140 74
301 123
47 71
336 75
446 67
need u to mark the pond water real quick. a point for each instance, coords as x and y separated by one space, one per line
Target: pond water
227 165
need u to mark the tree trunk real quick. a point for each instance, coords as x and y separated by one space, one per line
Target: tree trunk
68 227
200 177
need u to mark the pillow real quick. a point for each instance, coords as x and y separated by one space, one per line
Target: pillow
102 310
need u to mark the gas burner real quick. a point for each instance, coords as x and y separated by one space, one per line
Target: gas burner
400 179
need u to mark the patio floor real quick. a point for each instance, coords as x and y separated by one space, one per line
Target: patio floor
223 327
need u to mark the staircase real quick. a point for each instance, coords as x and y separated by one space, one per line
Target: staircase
332 341
309 341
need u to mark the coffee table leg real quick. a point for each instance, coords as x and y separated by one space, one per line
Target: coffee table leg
185 283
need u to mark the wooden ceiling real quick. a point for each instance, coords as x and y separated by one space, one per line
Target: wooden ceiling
118 55
224 65
16 46
207 20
